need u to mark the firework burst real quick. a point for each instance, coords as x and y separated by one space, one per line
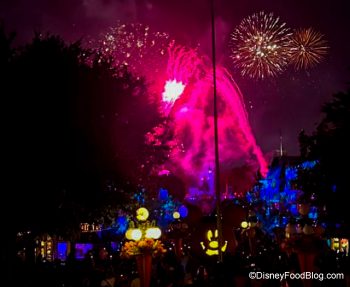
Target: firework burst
260 46
307 48
135 46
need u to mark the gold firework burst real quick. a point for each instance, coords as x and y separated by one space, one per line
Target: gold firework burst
260 46
307 48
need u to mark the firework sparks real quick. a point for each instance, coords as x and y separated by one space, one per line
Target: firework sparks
260 46
307 48
135 46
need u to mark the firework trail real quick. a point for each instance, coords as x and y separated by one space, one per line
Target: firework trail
183 66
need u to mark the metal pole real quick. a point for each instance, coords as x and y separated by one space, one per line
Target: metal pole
216 138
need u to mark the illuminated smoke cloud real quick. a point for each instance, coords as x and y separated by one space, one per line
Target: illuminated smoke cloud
183 81
191 148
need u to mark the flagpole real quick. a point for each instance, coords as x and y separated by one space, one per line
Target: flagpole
216 139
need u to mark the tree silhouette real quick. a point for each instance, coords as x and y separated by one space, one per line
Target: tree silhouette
71 128
329 144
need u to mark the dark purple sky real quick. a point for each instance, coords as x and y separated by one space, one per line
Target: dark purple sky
284 104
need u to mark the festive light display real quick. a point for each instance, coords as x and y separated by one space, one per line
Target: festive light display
139 247
144 237
142 214
213 244
172 91
63 250
86 227
176 215
244 224
82 249
144 228
122 224
280 197
260 46
339 245
188 135
182 79
135 46
307 48
46 249
183 211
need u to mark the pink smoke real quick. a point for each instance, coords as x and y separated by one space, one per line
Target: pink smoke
193 123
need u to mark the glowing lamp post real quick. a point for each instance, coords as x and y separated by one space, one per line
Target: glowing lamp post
144 229
133 234
143 244
178 229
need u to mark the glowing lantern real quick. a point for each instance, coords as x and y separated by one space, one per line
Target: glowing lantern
145 229
176 215
153 232
128 233
136 234
244 224
142 214
213 248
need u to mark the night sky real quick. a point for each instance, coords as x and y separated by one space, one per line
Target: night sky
285 104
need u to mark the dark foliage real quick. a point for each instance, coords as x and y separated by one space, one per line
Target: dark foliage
71 130
330 145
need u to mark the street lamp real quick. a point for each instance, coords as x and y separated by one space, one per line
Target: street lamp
178 229
143 244
145 229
